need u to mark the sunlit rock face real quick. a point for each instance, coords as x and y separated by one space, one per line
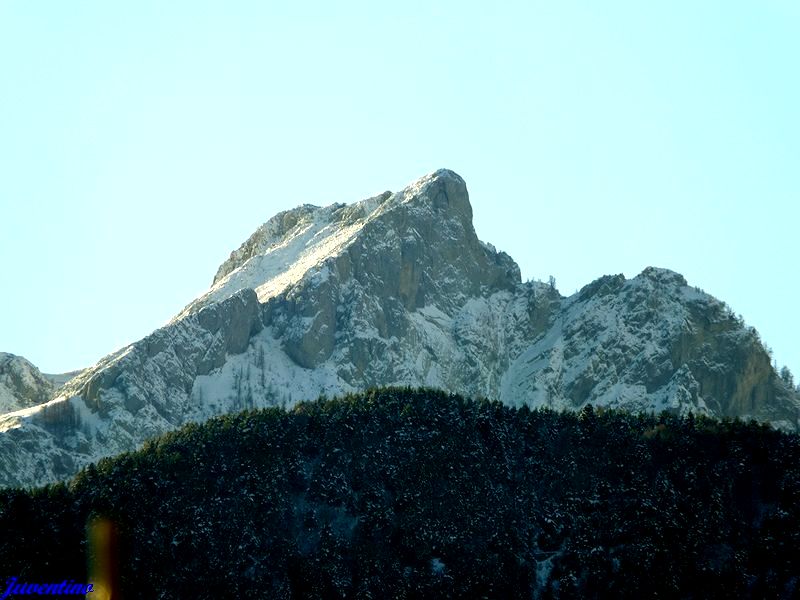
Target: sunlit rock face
21 384
395 289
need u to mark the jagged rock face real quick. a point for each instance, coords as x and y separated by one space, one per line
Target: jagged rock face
134 394
398 290
22 385
420 250
651 343
267 236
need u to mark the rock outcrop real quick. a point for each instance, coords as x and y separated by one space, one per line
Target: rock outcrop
22 385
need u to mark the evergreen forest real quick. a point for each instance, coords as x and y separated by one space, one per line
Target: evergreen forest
416 493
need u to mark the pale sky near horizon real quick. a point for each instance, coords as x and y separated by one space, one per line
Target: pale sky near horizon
141 142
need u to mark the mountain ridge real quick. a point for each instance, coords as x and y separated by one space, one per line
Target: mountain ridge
397 289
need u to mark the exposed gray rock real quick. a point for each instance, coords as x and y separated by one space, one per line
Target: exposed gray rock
654 343
131 395
268 235
22 385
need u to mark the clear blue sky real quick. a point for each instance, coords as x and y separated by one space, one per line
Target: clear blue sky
141 142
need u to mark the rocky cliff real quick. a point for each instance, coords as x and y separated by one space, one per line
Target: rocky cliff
397 289
21 384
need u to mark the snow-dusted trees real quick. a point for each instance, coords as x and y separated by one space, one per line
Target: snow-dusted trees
417 493
787 377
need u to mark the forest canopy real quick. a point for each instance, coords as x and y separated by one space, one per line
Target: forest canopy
411 493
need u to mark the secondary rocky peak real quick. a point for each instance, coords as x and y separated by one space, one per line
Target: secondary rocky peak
21 383
602 286
661 275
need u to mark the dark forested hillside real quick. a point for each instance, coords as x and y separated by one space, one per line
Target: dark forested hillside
415 493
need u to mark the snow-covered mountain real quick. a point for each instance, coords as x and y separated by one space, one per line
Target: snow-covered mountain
22 385
398 290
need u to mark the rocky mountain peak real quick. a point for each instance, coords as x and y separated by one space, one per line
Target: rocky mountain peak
445 189
447 193
663 276
430 222
21 383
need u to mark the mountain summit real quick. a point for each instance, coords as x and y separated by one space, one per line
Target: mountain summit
422 234
397 289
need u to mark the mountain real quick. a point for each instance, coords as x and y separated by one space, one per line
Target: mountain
22 385
399 493
397 289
